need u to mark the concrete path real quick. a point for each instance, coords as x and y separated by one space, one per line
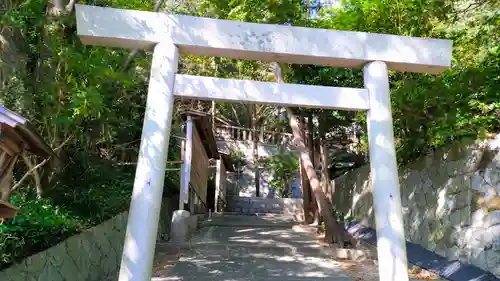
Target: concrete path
253 248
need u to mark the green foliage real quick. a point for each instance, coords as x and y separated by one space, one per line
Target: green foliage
430 111
96 195
37 226
76 92
237 156
283 168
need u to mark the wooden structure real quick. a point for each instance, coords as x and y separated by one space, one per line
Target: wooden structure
199 146
16 136
7 211
223 165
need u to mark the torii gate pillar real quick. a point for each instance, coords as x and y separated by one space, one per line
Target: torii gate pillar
144 213
391 244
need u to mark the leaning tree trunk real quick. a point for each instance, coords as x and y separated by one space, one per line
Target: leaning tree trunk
307 196
334 233
325 175
312 153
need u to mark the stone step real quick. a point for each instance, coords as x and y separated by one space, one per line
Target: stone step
265 236
265 205
250 220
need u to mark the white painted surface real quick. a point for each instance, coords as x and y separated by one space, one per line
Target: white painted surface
264 42
186 169
179 230
181 178
391 247
142 226
209 88
218 182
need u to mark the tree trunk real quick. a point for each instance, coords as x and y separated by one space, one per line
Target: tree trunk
310 145
306 194
333 231
310 138
255 148
35 174
57 8
307 197
325 176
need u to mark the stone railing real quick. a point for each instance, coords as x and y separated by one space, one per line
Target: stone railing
246 134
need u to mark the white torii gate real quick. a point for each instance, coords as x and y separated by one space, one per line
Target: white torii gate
170 34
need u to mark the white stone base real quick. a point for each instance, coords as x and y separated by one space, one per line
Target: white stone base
180 228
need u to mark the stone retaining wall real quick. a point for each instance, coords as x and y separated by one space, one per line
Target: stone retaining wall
93 255
89 256
451 202
252 205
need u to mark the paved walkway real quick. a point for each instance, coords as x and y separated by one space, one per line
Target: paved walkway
253 248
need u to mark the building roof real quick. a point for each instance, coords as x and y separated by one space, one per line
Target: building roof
16 127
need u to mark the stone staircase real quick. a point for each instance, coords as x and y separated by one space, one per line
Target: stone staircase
256 205
281 212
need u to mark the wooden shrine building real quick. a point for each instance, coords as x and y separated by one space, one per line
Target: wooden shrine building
17 135
199 193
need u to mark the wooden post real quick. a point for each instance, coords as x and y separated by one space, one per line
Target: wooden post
182 179
7 210
186 171
218 183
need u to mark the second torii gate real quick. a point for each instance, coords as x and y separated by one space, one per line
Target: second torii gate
169 34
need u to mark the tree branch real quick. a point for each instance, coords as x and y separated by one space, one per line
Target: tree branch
36 176
236 115
18 184
69 7
134 53
28 173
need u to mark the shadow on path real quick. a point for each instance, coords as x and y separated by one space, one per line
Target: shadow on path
253 248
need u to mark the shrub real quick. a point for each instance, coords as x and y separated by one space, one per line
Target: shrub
101 193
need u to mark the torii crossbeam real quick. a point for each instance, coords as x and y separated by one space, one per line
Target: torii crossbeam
170 34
